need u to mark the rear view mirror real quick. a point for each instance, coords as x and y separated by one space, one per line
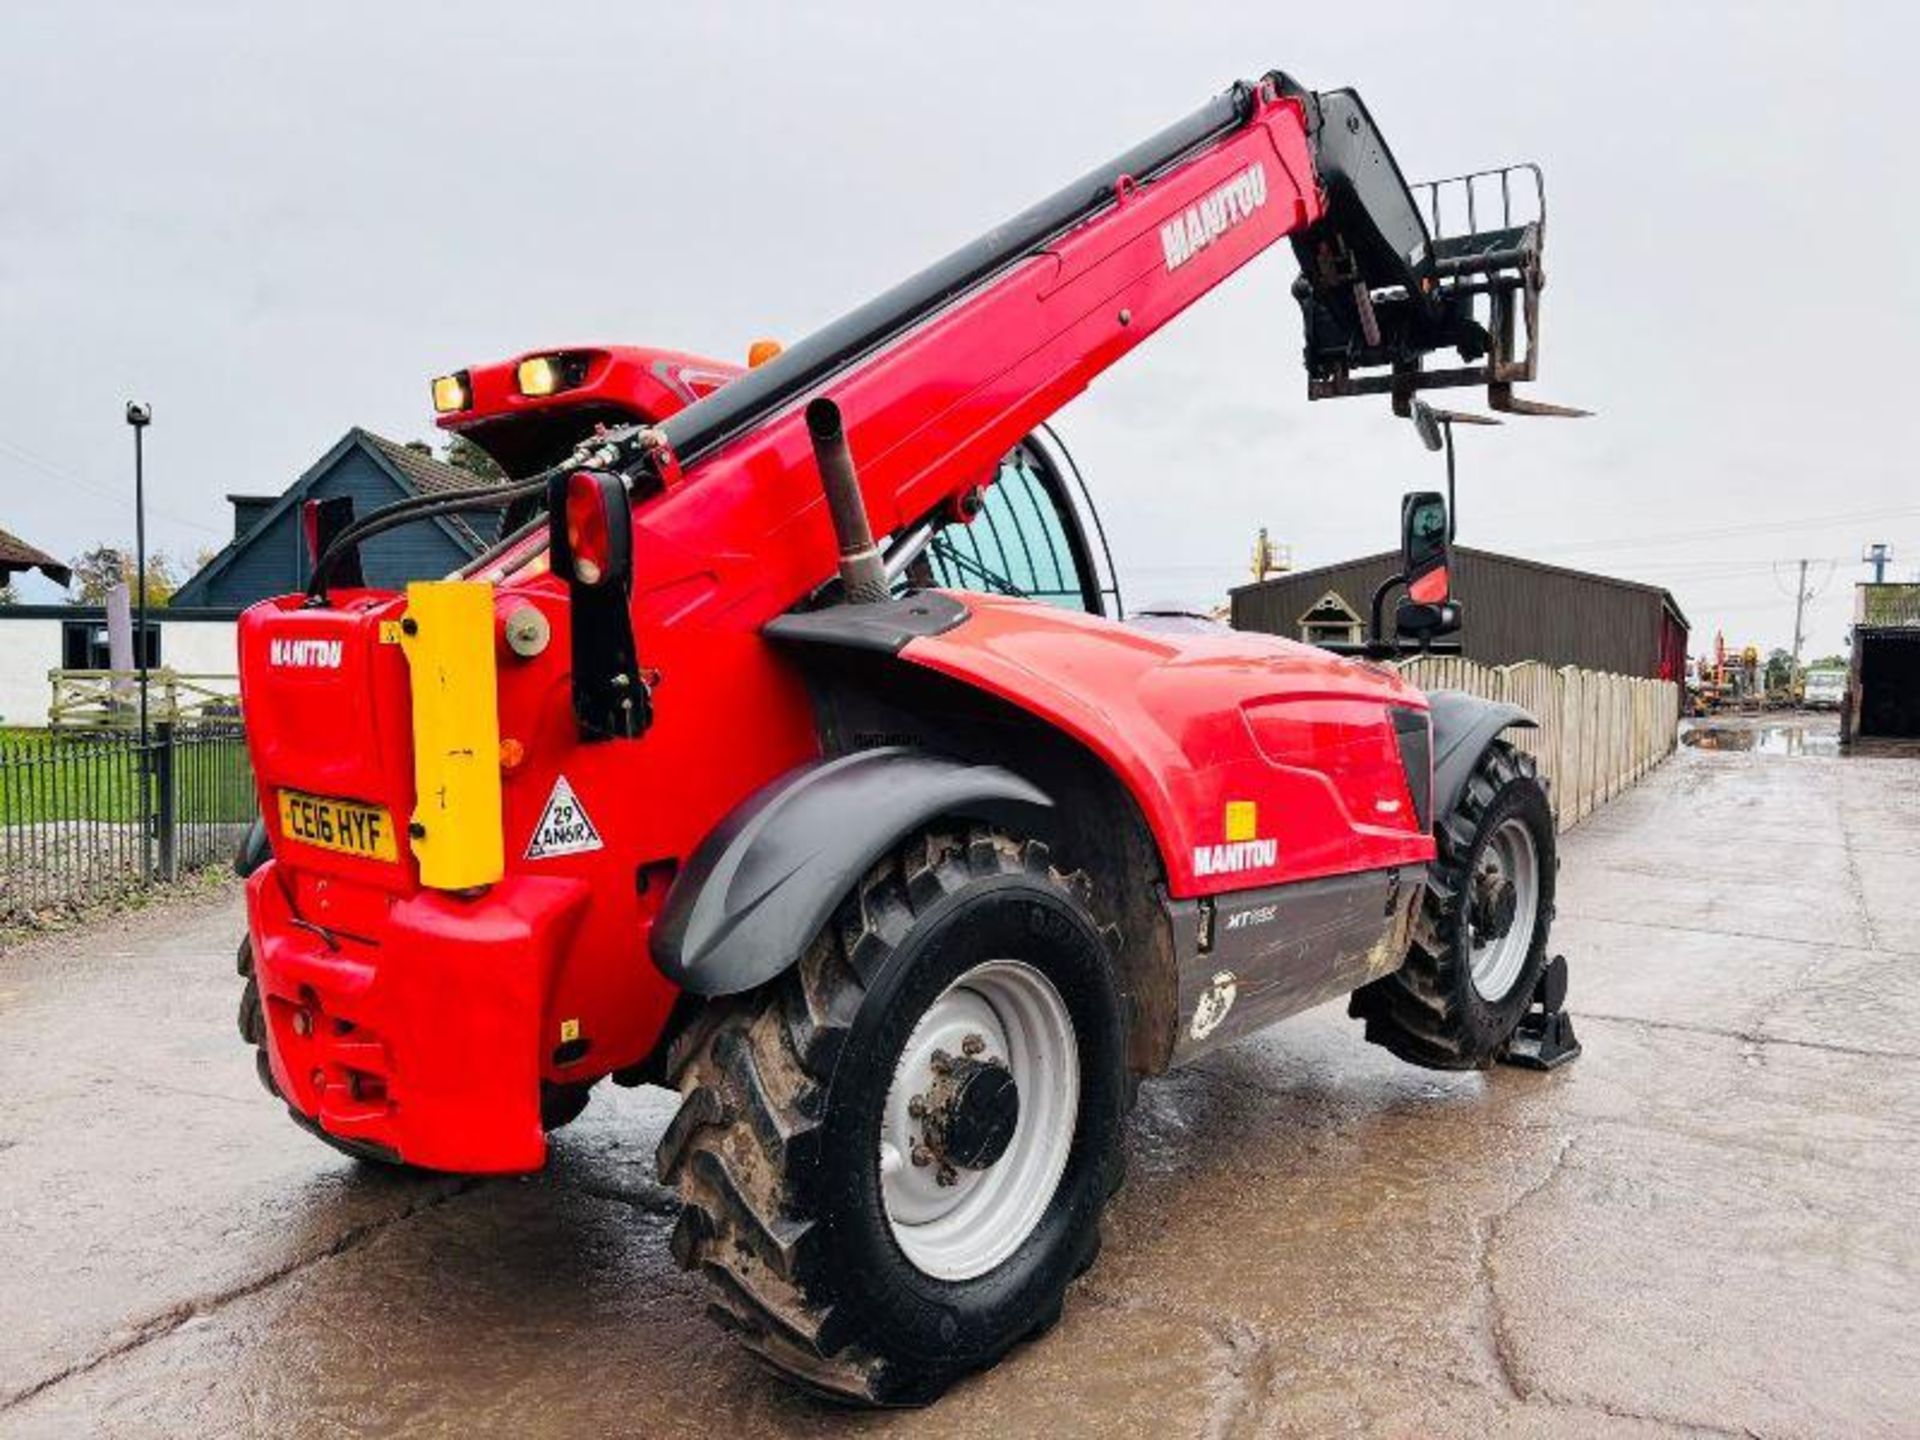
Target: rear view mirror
1424 547
1414 620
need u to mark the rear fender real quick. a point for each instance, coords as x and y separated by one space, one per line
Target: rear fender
255 849
769 877
1463 727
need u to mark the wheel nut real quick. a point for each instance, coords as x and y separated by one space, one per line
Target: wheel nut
917 1107
973 1045
303 1022
946 1174
941 1063
922 1156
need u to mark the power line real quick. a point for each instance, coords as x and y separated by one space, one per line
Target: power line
55 472
1759 527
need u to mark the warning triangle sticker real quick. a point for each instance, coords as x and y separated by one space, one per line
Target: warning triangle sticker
564 828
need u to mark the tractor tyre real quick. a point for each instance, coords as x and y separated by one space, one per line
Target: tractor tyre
559 1104
893 1158
1480 937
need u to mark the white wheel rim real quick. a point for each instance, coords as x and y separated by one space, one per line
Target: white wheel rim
963 1229
1508 857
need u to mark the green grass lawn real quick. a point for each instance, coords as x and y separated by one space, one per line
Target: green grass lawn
98 777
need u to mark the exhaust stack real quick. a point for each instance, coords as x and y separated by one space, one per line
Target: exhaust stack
862 572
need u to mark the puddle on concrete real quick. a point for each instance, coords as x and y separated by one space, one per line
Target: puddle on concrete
1781 739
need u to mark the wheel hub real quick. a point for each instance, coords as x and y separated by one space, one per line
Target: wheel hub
1503 904
978 1123
970 1111
1495 902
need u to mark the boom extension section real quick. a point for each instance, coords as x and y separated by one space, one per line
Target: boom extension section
1395 272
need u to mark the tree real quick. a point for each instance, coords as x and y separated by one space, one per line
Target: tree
101 568
1779 669
8 595
463 454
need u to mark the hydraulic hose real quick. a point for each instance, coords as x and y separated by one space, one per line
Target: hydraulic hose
419 507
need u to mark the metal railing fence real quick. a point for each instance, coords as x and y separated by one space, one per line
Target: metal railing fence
92 816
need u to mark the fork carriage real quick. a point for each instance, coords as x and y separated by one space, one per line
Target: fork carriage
1396 271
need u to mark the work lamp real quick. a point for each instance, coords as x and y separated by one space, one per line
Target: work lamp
452 392
539 375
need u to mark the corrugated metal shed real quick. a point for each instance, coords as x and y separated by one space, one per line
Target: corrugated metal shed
1515 609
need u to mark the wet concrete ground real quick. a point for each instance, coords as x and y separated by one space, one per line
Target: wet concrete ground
1706 1224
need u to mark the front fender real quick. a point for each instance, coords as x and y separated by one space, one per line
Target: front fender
1463 726
768 878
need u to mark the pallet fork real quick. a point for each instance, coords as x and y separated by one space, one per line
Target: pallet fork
1394 272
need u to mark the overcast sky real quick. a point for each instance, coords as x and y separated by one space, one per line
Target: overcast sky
275 222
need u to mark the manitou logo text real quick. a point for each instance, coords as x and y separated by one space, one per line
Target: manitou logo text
1198 226
305 654
1235 856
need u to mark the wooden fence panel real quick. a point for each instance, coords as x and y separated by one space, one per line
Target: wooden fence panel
1598 733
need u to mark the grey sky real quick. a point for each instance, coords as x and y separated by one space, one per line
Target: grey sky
274 223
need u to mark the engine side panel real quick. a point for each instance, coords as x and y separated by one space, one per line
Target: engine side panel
1255 761
1258 956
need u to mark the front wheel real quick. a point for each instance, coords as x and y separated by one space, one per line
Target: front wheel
893 1159
1480 940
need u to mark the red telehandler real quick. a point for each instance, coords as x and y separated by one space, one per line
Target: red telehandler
772 757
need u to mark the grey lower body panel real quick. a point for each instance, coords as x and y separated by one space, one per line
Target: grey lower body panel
1252 957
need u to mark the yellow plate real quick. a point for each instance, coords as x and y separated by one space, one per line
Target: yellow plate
343 825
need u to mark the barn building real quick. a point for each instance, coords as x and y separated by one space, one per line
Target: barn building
1514 610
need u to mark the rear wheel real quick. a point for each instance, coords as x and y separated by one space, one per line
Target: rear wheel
893 1159
1480 940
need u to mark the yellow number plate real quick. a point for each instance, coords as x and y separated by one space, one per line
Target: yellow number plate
343 825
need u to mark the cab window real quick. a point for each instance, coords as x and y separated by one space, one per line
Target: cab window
1026 541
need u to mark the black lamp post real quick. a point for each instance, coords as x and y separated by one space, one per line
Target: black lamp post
139 417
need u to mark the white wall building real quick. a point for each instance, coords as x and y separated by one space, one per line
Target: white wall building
38 639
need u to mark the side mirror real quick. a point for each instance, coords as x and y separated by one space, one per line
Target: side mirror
1415 620
1425 549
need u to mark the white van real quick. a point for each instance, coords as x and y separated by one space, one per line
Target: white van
1825 689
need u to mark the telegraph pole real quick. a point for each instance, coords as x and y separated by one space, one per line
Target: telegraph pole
1799 616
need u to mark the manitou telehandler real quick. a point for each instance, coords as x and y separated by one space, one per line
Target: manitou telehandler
790 750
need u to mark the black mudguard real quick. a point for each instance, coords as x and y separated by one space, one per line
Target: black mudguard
764 883
1463 726
254 851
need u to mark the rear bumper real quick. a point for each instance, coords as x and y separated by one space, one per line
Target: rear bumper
423 1039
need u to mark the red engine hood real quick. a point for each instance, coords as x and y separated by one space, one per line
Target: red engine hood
1254 760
